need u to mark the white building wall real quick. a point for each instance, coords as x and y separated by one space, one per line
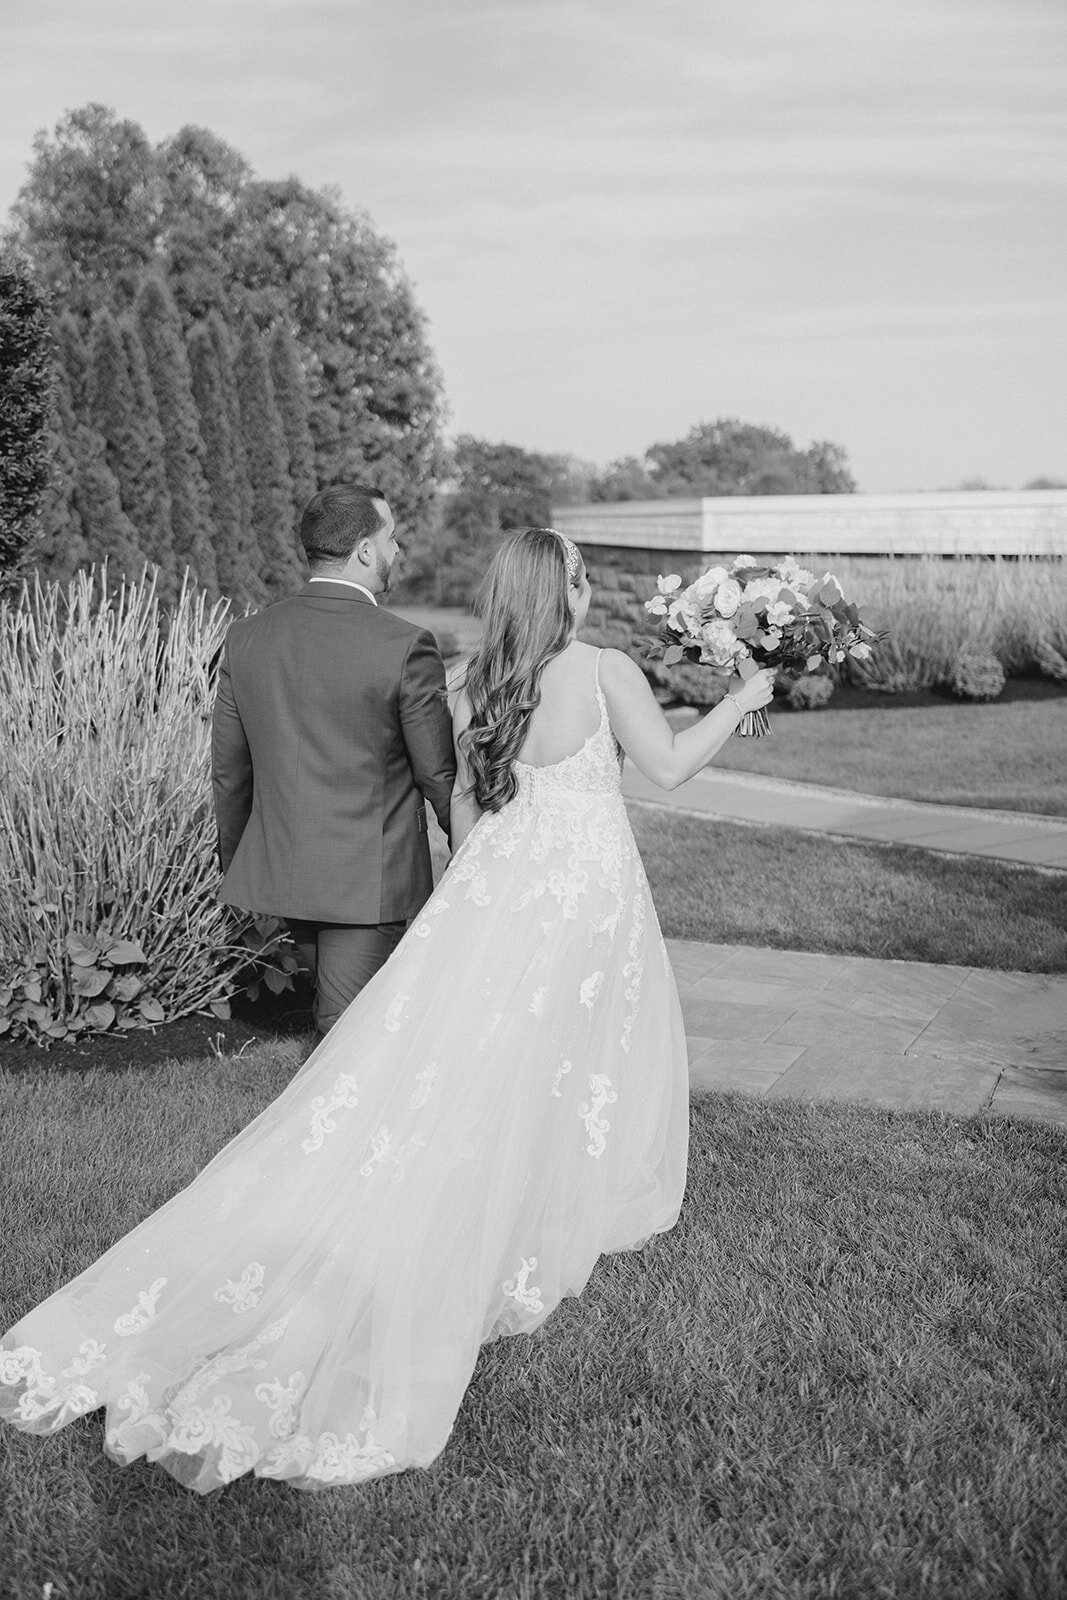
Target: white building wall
966 523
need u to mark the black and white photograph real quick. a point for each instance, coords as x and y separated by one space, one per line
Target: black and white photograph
533 800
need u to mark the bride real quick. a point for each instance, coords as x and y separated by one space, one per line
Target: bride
506 1101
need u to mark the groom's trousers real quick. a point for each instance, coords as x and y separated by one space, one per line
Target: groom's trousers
342 959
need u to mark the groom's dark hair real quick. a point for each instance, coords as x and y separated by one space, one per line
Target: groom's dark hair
337 518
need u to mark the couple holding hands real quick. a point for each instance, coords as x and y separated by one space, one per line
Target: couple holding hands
500 1094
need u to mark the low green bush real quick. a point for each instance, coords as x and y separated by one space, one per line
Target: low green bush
977 675
810 693
109 910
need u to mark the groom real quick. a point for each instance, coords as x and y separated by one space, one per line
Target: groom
330 727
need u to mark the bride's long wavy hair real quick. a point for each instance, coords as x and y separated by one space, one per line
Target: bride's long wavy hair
526 622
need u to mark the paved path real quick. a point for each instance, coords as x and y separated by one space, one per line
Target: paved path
900 1034
1020 836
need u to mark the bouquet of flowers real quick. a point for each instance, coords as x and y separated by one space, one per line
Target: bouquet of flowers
751 615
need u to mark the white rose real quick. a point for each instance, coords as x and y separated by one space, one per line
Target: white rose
704 587
668 584
796 576
720 646
779 614
761 589
683 616
727 598
740 562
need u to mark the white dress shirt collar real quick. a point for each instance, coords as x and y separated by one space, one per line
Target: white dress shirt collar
349 583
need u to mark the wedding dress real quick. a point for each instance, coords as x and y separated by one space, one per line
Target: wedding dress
504 1102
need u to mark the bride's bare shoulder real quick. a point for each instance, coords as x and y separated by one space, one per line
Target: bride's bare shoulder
619 671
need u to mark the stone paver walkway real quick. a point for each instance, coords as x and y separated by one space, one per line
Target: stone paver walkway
898 1034
1019 836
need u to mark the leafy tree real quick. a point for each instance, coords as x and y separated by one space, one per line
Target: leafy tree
25 400
290 392
236 555
168 371
201 180
119 414
729 457
490 489
89 213
100 206
626 479
831 468
1046 483
281 564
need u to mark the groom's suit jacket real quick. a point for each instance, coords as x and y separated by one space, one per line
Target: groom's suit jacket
330 726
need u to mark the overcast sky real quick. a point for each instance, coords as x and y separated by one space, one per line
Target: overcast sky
844 218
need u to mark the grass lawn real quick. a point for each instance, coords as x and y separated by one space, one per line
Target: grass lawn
729 883
733 883
1005 755
841 1374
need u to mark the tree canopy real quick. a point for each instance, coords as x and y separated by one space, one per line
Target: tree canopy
102 206
728 457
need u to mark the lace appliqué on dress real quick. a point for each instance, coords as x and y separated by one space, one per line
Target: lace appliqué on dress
595 1125
132 1322
517 1288
244 1294
345 1096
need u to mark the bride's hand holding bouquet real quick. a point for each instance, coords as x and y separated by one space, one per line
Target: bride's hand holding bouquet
751 616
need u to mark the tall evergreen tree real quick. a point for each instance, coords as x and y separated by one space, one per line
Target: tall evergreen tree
236 554
109 534
100 205
132 453
281 561
168 369
71 351
294 407
58 546
226 353
25 399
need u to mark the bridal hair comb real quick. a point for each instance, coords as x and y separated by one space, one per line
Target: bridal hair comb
570 554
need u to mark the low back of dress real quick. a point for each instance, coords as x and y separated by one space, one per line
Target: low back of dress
572 702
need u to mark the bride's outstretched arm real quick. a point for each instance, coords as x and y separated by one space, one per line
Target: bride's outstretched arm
465 809
669 758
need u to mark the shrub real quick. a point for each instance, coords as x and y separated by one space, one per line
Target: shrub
109 914
25 364
691 684
977 676
810 693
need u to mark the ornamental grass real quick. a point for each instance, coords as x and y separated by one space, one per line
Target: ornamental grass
109 911
937 612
